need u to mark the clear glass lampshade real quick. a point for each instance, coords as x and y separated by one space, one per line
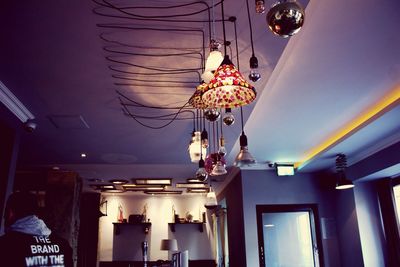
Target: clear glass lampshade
221 149
219 169
228 118
285 18
195 148
211 201
260 6
214 59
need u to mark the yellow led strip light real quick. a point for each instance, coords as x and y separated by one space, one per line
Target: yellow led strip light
389 101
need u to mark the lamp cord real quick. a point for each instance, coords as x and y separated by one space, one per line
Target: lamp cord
250 27
223 25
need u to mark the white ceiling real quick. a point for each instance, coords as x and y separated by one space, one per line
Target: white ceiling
343 61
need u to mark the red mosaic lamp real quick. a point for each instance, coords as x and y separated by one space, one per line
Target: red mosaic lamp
228 88
196 100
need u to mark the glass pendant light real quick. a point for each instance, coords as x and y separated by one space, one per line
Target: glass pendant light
201 173
204 138
254 73
211 200
285 18
214 59
228 118
195 148
219 168
212 114
260 6
222 149
342 181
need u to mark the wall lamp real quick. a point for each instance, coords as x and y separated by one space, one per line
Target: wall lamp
284 169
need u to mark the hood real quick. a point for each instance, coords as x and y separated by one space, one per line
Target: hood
31 225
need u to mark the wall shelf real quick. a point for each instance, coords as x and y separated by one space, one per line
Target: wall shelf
146 226
200 225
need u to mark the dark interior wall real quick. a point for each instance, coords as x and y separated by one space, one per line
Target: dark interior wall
89 229
347 229
234 202
264 187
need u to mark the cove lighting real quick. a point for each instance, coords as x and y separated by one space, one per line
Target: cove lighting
389 101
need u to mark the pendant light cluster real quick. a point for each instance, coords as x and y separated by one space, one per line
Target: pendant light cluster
223 88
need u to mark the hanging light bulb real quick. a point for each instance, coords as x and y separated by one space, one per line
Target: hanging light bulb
254 74
244 158
222 149
204 139
214 59
201 173
285 18
212 114
228 118
219 168
195 149
260 6
211 201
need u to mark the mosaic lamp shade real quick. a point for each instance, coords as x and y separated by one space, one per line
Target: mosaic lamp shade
228 88
196 100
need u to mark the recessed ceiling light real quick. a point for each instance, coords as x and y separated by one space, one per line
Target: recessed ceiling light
113 191
102 186
83 155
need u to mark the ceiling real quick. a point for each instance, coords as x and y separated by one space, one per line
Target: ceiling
323 91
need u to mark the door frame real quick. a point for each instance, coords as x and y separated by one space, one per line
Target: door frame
314 222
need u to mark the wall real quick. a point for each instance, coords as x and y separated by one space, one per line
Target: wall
265 187
369 218
126 246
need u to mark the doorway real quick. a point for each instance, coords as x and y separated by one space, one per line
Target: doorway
289 235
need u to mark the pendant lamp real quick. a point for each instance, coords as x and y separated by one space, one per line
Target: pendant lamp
228 88
211 201
285 18
195 148
196 99
342 181
244 157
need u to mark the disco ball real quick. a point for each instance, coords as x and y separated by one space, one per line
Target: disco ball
285 18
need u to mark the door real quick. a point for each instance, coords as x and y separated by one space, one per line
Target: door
288 236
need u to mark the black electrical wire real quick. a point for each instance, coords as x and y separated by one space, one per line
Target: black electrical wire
250 28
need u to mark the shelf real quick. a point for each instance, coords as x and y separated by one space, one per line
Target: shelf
146 226
199 225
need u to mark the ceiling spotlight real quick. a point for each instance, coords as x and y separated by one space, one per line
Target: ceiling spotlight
83 155
285 18
254 73
119 181
212 114
260 6
228 118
